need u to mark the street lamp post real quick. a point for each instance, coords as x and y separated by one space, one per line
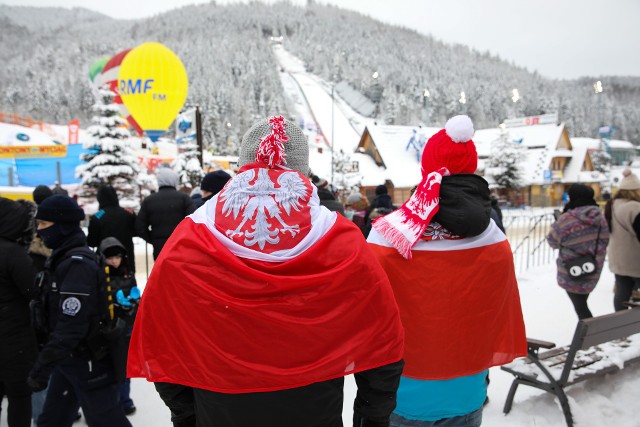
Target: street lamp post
463 98
336 71
597 89
515 97
228 125
376 93
425 101
333 102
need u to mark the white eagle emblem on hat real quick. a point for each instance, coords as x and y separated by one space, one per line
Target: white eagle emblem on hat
262 206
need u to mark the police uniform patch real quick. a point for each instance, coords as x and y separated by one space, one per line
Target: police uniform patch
71 306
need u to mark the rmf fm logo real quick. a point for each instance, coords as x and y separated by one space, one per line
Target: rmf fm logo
131 87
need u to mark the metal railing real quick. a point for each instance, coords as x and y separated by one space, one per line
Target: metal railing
527 233
16 119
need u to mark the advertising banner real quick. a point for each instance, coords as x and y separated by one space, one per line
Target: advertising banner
32 151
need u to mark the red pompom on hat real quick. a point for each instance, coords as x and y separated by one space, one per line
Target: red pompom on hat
271 149
451 148
450 151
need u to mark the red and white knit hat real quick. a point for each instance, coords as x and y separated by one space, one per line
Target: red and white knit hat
450 151
276 143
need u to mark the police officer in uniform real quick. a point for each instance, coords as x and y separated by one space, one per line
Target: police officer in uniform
73 362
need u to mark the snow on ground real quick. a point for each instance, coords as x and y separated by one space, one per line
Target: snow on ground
548 314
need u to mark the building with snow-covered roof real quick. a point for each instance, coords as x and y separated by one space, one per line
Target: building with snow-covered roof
623 153
390 155
552 161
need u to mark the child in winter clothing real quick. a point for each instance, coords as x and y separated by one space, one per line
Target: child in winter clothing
127 296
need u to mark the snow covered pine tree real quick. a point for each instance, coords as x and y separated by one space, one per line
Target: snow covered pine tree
505 157
111 159
187 165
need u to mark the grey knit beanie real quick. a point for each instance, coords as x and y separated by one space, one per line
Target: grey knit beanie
296 148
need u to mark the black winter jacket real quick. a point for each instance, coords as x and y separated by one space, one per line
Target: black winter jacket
71 304
113 221
17 338
315 405
160 214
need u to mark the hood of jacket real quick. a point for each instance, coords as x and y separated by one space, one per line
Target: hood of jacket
167 178
465 205
16 220
587 214
107 197
111 242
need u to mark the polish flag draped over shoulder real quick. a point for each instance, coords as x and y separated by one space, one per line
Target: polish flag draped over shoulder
263 289
454 329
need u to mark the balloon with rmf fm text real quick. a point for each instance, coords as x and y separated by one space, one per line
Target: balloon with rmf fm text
153 85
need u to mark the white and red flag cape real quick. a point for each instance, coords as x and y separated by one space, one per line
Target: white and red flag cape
262 289
458 300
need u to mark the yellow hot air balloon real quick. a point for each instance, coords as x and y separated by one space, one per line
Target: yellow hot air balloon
153 85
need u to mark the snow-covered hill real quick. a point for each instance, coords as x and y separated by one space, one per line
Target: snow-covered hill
47 53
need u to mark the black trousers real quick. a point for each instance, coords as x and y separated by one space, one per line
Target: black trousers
179 400
580 305
19 397
623 289
93 386
314 405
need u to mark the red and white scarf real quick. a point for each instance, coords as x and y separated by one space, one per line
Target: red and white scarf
403 227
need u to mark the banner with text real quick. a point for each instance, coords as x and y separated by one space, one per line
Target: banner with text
32 151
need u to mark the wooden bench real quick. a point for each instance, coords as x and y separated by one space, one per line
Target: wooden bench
600 345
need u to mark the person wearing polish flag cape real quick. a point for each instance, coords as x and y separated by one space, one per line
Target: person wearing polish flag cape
263 300
452 274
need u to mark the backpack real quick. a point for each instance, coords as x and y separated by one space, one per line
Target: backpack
111 336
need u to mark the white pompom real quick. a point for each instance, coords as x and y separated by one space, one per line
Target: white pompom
459 128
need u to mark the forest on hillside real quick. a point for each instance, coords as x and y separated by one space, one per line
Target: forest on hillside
46 55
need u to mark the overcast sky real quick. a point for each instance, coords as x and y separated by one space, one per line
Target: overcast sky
558 38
